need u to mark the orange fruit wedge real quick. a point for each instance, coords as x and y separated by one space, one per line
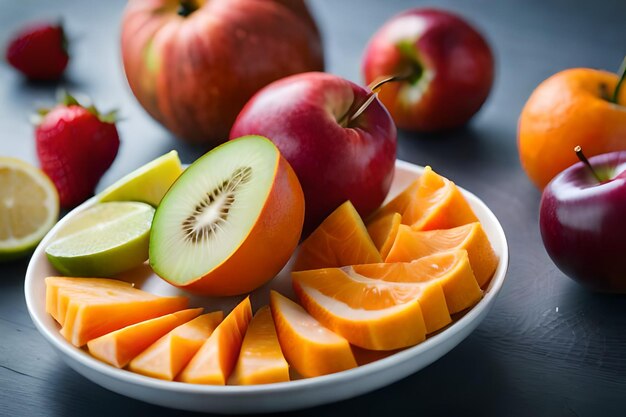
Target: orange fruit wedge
369 309
214 361
260 360
410 244
94 310
383 232
437 204
450 269
309 347
340 240
398 204
119 347
166 357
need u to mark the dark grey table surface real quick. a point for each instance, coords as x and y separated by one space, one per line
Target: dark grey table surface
547 348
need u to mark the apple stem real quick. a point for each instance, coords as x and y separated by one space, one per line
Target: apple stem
622 75
375 88
584 160
186 7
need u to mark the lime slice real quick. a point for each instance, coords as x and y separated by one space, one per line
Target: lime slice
148 183
103 240
29 207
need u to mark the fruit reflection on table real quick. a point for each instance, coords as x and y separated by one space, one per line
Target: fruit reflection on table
350 297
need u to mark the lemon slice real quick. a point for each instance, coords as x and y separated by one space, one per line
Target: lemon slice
147 184
29 207
103 240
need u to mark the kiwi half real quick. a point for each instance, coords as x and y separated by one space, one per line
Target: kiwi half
211 231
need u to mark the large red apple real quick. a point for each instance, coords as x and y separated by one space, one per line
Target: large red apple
193 65
336 156
446 65
583 225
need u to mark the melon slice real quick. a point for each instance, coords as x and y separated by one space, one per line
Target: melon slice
56 306
119 347
214 362
309 347
383 232
260 360
166 357
410 244
340 240
94 310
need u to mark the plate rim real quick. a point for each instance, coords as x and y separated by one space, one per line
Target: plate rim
403 356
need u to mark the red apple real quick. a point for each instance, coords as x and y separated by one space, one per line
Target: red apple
446 66
583 223
193 67
336 156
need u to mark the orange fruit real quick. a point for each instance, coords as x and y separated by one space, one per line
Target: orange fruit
309 347
166 357
383 232
389 306
340 240
369 313
95 309
410 244
437 204
260 360
566 110
214 361
398 204
119 347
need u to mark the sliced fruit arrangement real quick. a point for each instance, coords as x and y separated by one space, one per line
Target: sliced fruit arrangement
29 207
148 183
119 347
309 347
216 358
103 240
261 360
170 354
230 222
340 240
93 310
410 244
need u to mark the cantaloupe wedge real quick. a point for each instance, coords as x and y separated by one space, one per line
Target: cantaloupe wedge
56 306
397 205
309 347
451 269
166 357
369 311
383 232
437 204
214 361
260 360
94 310
340 240
410 244
119 347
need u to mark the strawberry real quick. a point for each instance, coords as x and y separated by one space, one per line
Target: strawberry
75 146
39 51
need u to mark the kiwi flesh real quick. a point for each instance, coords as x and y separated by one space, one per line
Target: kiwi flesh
210 209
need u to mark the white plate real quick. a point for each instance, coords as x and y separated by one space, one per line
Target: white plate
273 397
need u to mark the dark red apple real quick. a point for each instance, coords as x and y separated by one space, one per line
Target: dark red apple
583 222
194 64
446 65
337 157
